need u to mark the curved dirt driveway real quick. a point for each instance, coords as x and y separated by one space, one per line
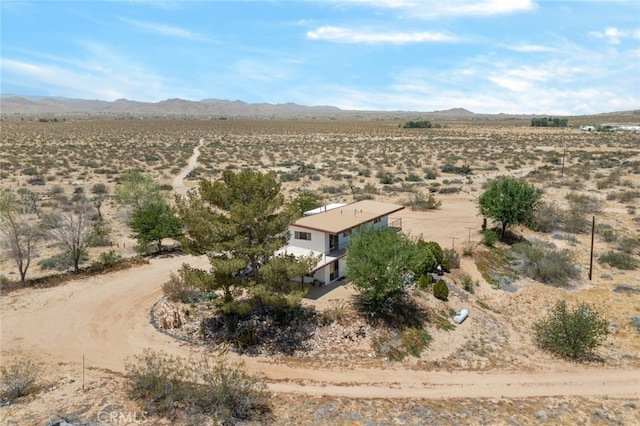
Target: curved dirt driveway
106 319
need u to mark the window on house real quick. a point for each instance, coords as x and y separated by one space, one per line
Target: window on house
303 235
346 233
377 220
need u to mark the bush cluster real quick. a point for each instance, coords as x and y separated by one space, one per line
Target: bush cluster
19 378
440 290
545 263
170 386
572 334
619 260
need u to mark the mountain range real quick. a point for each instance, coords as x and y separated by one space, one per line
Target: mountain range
30 105
218 108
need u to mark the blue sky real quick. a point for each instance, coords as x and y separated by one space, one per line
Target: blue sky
488 56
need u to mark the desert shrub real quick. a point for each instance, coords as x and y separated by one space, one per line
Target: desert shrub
629 244
166 384
419 124
489 237
619 260
413 178
572 334
337 313
386 179
468 284
422 202
370 188
451 260
584 203
36 180
440 290
450 190
395 346
99 188
430 174
415 340
424 282
178 289
575 222
4 281
60 261
109 259
459 170
607 233
18 378
231 393
467 251
545 263
548 217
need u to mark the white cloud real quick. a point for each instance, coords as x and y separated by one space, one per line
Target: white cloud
530 48
347 35
166 30
101 74
615 35
437 8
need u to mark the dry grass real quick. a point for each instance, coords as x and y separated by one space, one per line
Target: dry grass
344 160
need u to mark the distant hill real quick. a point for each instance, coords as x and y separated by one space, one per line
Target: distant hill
218 108
33 105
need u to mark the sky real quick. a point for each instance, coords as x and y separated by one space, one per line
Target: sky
488 56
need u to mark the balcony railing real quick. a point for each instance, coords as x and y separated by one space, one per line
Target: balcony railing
395 223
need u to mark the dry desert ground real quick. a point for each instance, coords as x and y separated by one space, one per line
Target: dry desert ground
486 370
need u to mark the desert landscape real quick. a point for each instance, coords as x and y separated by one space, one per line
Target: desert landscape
83 329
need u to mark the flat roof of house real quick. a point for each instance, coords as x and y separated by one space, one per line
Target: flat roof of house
324 208
349 216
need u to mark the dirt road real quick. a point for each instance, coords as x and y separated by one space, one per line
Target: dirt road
106 319
178 182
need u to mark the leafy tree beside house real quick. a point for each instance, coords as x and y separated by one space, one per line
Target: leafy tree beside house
239 222
305 200
382 264
509 201
153 222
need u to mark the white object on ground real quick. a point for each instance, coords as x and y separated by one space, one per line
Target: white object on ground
461 316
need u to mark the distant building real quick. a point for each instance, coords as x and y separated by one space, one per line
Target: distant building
587 128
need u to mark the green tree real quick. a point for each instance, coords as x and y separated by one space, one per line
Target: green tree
239 222
572 334
153 222
440 290
19 237
135 189
509 201
305 200
276 286
381 264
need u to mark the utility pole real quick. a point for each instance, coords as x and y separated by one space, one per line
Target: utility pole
469 228
593 227
453 240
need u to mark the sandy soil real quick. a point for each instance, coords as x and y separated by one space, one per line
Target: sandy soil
104 321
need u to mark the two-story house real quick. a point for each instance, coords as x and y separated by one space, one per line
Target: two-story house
326 232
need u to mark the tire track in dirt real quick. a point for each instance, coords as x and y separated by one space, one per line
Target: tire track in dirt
178 182
106 319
